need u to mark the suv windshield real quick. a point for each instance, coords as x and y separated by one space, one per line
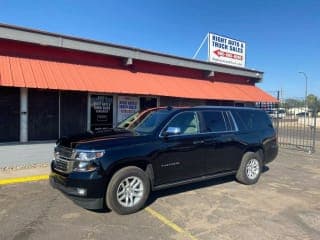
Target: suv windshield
151 121
128 121
134 119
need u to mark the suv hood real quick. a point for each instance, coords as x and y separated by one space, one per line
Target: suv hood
88 140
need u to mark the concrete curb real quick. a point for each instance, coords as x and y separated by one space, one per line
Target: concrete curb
23 173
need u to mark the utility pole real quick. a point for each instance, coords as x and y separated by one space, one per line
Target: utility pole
306 92
306 103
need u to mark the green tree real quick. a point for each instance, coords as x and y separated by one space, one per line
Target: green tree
291 103
313 103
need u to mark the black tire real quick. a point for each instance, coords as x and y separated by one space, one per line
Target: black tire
116 185
243 175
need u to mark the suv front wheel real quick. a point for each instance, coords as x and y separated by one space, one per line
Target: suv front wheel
128 190
250 168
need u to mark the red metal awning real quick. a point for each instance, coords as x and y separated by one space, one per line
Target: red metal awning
44 74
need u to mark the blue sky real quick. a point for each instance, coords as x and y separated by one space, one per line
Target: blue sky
282 37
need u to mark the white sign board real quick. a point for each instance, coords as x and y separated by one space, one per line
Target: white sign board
226 50
127 106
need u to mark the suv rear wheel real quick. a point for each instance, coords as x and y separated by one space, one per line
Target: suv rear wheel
128 190
250 168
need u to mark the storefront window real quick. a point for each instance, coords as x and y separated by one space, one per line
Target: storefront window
101 112
127 106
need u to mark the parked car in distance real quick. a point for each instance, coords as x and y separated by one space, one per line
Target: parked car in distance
277 113
169 147
302 114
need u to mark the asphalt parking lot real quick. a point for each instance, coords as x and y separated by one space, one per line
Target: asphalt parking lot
284 204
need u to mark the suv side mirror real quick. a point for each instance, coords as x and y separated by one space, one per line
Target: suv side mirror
172 131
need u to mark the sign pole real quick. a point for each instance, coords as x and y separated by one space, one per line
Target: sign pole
198 50
209 46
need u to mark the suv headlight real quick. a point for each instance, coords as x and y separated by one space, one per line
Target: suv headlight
84 160
83 155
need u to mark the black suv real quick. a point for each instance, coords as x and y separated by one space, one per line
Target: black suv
168 147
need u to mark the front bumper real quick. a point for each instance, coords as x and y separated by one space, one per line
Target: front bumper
85 189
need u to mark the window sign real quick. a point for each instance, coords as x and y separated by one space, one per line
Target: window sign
127 106
101 112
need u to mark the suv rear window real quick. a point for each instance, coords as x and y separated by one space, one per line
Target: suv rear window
213 121
252 120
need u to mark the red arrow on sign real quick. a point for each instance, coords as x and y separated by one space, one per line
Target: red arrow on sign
220 53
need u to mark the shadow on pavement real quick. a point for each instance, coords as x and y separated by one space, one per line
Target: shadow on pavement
188 187
192 186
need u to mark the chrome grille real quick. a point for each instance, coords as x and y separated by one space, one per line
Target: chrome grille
64 152
63 159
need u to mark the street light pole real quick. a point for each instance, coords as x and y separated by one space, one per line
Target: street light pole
306 92
306 104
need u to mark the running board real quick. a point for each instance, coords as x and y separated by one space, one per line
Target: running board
193 180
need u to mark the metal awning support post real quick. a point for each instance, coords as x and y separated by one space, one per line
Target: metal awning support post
23 114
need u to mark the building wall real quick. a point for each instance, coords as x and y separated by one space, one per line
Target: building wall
43 114
44 119
54 113
181 102
73 112
9 114
12 48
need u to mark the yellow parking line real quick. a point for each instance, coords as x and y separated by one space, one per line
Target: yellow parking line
169 223
23 179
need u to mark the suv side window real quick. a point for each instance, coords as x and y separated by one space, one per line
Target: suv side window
187 122
254 120
214 121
